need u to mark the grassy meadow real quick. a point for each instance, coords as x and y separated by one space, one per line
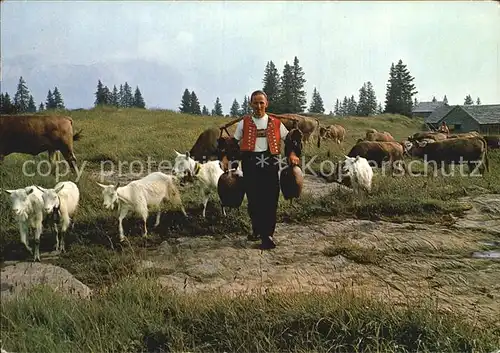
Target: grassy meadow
130 313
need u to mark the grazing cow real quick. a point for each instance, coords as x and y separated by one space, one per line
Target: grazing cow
374 135
60 204
334 132
309 126
378 152
419 136
33 134
205 147
208 174
27 205
152 190
360 174
457 150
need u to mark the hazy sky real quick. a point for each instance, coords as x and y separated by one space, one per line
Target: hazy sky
220 48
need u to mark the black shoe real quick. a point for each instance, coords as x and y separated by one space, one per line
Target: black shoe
253 237
267 244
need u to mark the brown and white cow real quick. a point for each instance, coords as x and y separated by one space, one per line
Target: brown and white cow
374 135
205 147
429 135
307 125
377 152
471 150
34 134
334 132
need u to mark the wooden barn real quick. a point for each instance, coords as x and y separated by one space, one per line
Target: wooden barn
425 109
484 119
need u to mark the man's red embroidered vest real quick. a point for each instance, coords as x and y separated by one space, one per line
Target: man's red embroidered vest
250 134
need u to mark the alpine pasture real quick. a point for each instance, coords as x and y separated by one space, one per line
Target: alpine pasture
131 311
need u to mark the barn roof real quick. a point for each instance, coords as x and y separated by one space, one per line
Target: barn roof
484 114
425 107
438 114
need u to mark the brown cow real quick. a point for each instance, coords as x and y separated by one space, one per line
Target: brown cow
33 134
307 125
205 147
374 135
377 152
430 135
457 150
334 132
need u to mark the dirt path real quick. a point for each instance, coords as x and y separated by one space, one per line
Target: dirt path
386 260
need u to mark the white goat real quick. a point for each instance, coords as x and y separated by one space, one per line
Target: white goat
27 205
60 204
152 190
208 174
360 173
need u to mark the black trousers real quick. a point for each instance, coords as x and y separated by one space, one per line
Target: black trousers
260 176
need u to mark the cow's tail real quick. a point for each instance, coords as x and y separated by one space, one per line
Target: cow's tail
77 136
317 131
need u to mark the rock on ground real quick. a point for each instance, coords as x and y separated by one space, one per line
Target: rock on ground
16 279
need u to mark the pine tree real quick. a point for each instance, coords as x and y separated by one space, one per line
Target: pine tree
115 99
478 101
22 96
31 105
299 99
235 108
128 97
6 106
379 109
41 107
272 86
336 110
186 102
371 99
468 100
121 98
445 100
434 100
286 99
217 108
100 94
352 106
400 90
345 106
194 103
316 103
363 101
58 101
205 111
245 106
49 102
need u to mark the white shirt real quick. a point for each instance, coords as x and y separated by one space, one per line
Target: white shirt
261 144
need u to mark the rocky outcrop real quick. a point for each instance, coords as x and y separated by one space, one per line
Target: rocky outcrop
16 279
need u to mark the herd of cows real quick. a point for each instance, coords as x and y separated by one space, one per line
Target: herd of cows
207 163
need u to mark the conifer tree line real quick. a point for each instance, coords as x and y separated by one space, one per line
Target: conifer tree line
122 98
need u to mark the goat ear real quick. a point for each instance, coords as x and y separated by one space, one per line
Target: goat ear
187 154
177 153
59 188
30 191
102 185
8 191
117 186
40 188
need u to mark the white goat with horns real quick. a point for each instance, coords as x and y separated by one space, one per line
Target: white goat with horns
152 190
27 205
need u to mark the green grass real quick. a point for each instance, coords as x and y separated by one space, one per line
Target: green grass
131 315
140 316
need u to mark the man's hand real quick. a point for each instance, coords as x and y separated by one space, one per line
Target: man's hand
294 160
